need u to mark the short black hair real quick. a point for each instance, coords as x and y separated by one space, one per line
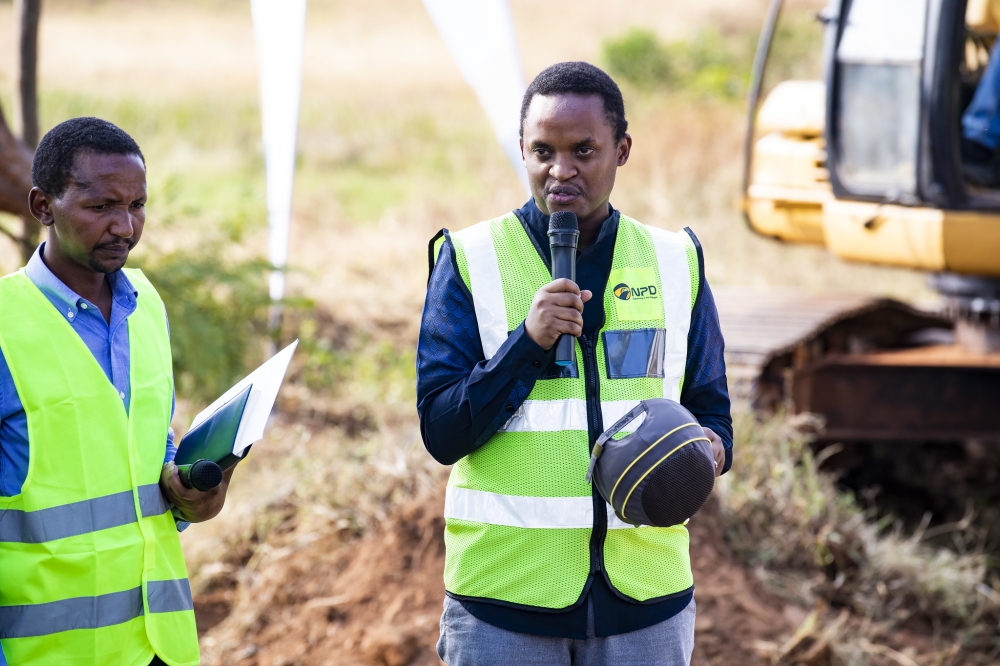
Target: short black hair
579 78
52 166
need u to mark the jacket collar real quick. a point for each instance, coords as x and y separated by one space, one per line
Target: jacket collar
536 224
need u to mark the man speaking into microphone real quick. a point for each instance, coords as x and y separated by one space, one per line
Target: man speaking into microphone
539 570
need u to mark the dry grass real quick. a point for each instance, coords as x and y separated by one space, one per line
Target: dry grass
809 541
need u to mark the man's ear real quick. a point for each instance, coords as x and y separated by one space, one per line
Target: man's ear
40 205
520 142
624 149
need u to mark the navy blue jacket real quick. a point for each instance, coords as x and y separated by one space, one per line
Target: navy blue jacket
463 400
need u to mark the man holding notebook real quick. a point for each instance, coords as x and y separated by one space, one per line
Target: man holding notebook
91 568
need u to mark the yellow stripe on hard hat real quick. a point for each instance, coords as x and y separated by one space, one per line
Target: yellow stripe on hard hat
651 446
680 446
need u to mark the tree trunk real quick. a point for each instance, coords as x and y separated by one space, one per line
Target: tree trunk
27 14
15 183
15 153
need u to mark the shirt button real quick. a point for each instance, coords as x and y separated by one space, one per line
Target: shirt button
69 313
83 306
536 364
509 408
121 394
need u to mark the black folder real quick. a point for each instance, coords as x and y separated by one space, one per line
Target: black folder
213 438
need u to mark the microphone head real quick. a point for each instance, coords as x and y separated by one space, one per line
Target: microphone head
562 221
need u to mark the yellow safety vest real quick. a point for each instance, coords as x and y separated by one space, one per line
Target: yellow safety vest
91 568
523 526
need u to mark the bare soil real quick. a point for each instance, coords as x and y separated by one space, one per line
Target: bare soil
377 601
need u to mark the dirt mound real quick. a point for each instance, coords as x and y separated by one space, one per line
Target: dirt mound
374 601
377 601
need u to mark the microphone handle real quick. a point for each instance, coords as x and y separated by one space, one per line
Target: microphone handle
564 266
201 475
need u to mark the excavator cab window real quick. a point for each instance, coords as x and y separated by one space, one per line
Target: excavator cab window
878 66
900 74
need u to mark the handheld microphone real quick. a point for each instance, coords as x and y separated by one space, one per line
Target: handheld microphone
564 234
201 475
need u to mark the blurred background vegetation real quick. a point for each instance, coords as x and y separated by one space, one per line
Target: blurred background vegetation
713 64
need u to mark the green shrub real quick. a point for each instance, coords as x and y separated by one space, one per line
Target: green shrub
712 64
639 58
708 65
217 311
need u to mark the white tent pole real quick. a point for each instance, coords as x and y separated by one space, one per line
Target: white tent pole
279 30
480 36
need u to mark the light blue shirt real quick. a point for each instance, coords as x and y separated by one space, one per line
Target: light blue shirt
107 342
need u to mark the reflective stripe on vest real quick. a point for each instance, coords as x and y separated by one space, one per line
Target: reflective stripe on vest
106 610
568 414
92 565
68 520
518 512
486 287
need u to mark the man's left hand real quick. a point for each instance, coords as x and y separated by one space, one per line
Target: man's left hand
718 450
195 506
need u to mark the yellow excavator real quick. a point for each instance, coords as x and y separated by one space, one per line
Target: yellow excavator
867 163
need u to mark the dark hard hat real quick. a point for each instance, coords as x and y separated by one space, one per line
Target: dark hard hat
661 473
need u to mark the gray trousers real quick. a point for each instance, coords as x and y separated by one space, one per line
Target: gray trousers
467 641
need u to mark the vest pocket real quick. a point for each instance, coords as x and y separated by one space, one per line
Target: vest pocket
635 353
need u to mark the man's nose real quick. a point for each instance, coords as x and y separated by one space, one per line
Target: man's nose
562 169
123 225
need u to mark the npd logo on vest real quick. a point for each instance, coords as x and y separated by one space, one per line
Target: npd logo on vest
625 293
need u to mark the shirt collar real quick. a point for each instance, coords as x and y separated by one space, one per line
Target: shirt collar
68 301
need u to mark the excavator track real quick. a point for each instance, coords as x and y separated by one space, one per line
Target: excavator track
863 364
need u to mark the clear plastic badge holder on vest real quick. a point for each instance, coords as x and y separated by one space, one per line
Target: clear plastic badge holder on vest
221 435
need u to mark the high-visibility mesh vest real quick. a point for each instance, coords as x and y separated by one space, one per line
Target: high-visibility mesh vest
92 569
520 517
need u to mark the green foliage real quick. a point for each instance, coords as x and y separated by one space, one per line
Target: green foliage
217 310
707 65
712 64
639 58
336 358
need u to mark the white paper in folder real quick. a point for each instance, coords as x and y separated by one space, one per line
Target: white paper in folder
264 383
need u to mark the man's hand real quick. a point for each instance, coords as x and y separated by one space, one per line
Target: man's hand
718 450
195 506
557 309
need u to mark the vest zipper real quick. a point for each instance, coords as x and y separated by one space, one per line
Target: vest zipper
595 424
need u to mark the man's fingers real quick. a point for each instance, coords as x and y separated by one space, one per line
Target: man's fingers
567 321
718 450
565 300
586 295
177 487
568 327
562 285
